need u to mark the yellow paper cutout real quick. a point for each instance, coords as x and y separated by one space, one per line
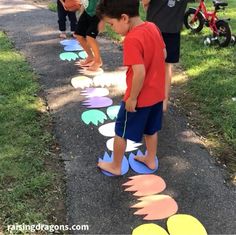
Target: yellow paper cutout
182 224
149 229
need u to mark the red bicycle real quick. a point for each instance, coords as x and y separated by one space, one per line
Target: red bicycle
196 18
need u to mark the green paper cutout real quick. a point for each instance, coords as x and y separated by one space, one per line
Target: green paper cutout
112 111
93 116
68 56
83 55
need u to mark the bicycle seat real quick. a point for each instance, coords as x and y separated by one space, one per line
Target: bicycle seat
218 4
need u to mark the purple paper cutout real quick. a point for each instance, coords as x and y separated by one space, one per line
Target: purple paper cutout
124 164
140 167
97 102
95 92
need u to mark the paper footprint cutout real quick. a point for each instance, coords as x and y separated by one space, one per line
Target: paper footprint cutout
182 224
97 102
69 56
73 48
112 111
81 82
95 92
131 145
110 79
93 116
87 72
107 130
156 207
145 185
83 55
68 42
149 229
124 164
140 167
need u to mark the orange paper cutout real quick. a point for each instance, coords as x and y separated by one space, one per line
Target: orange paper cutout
144 185
156 207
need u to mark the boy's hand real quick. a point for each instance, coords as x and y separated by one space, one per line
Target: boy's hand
130 105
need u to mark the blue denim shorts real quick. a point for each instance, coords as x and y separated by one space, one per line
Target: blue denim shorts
145 121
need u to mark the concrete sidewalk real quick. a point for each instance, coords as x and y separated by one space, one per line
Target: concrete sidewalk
192 176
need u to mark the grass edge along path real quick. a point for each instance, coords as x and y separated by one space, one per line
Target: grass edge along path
208 92
31 189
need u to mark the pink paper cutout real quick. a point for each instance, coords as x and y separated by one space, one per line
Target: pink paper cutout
97 102
156 207
144 185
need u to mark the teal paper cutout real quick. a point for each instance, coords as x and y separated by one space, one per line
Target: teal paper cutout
112 111
83 55
93 116
68 56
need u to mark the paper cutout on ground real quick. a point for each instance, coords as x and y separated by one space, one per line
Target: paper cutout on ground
107 130
113 111
91 73
83 55
140 167
73 48
97 102
182 224
110 79
93 116
131 145
124 164
149 229
69 56
145 185
156 207
81 82
68 42
95 92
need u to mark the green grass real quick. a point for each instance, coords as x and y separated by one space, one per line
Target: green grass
52 6
211 85
26 189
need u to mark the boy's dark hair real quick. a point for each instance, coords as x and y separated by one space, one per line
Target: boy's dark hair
115 8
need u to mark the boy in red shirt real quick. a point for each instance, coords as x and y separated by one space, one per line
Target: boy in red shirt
144 54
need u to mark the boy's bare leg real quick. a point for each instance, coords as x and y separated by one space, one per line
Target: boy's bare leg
83 42
96 53
151 145
119 150
168 71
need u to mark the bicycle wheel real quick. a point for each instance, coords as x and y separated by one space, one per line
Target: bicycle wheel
196 24
223 33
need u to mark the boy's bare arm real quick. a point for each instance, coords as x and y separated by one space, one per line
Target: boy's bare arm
137 84
145 4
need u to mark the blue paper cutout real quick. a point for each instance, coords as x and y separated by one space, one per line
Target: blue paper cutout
124 164
73 48
140 167
68 42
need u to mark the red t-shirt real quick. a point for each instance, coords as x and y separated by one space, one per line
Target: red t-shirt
144 45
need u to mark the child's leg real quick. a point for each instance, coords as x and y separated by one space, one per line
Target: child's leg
83 42
73 21
119 150
151 145
61 17
96 53
168 71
